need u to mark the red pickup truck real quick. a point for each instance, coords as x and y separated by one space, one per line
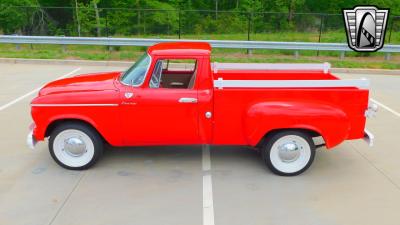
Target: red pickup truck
174 95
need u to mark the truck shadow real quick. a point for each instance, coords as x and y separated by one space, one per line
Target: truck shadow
182 155
225 160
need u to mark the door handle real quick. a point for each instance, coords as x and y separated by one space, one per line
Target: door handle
187 100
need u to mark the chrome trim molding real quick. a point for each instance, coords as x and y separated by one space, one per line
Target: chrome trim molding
187 100
369 137
31 140
360 83
70 105
325 67
371 110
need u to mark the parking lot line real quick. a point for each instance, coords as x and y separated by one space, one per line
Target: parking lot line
34 91
385 107
208 204
375 167
67 198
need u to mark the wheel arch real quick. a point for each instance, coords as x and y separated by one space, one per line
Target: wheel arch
57 122
265 118
264 139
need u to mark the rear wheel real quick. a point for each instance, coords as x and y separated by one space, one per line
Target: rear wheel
289 153
75 146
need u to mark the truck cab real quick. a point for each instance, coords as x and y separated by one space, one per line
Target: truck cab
172 87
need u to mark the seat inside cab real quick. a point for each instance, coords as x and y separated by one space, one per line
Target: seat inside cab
178 73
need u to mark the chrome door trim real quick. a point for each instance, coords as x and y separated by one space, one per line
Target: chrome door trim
70 105
187 100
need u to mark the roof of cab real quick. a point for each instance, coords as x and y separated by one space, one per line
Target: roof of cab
180 48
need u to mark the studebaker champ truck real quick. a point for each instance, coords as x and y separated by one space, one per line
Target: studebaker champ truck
174 95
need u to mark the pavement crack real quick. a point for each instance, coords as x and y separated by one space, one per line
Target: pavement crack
379 170
67 198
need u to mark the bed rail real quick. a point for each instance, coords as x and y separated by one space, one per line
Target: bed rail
325 67
359 83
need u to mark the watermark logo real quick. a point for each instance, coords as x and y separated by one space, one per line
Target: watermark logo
365 27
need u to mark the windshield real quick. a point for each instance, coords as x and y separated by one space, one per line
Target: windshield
136 74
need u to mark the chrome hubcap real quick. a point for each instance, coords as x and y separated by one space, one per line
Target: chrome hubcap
289 152
74 146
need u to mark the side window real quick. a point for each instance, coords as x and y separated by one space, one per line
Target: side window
174 73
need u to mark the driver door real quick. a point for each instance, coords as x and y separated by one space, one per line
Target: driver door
158 115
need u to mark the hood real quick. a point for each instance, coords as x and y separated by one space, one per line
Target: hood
86 82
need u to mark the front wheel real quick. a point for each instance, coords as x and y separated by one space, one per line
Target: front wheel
75 146
289 153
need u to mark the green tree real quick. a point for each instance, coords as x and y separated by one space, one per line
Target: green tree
14 19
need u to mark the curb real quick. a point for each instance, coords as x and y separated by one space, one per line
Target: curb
366 71
127 63
65 62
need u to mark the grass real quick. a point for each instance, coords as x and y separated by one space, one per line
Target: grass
127 53
327 36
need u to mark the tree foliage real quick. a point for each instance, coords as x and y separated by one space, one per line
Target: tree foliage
168 17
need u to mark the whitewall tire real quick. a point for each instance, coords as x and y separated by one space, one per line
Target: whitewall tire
75 146
289 153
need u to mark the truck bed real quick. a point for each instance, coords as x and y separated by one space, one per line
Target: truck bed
309 94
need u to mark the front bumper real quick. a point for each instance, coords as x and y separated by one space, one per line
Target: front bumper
369 137
31 140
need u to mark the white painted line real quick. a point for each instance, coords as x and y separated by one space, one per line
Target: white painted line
206 158
385 107
33 91
208 204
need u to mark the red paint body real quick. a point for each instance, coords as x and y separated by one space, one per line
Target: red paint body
241 116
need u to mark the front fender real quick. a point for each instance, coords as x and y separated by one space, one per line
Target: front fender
103 123
329 121
43 125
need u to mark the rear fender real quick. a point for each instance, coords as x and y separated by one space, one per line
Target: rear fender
329 121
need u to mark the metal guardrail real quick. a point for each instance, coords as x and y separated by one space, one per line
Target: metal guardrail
342 47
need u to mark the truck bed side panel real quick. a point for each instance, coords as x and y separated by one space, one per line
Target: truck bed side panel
242 116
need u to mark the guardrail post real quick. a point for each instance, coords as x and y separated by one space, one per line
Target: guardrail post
387 56
296 54
342 54
17 47
110 48
63 47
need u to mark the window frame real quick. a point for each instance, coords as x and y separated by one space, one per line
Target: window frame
195 71
145 74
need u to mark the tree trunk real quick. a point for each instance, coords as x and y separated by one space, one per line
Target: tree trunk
96 10
291 9
77 18
216 9
138 16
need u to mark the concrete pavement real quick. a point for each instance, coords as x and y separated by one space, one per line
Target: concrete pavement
352 184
